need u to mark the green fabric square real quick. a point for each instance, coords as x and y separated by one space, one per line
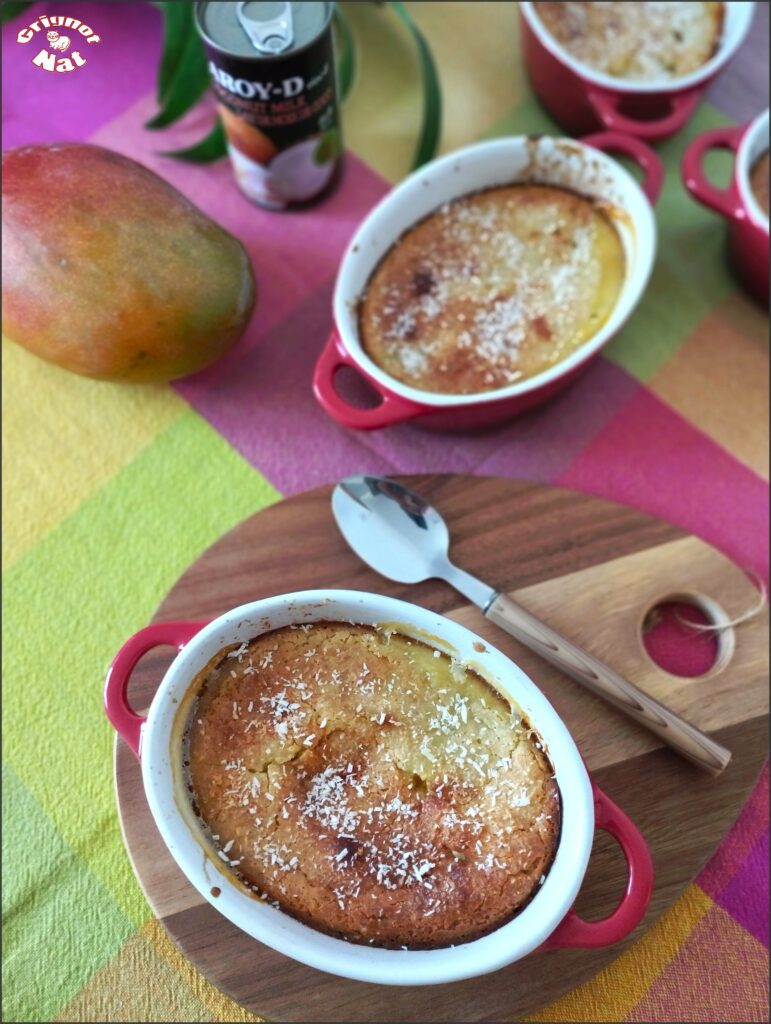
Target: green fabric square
60 925
529 118
691 276
76 596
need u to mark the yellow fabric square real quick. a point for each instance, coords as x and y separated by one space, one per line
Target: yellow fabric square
475 93
64 436
729 346
137 984
611 994
220 1006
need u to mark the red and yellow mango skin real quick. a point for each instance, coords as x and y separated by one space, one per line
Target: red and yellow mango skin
112 273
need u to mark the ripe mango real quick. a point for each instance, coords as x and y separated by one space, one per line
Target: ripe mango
110 272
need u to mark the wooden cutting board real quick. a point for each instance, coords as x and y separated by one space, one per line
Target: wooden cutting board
590 568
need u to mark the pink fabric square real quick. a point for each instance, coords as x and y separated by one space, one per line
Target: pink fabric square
40 106
650 457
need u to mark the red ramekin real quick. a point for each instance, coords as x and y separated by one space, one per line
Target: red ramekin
547 922
583 100
747 223
579 166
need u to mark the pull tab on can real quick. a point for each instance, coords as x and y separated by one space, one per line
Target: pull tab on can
267 34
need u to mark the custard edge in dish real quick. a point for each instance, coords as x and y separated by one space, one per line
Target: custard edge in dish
341 855
636 42
493 287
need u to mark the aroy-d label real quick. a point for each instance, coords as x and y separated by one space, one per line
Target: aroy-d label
279 112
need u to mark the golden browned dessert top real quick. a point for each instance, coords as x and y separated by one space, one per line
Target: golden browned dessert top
636 41
492 289
370 786
759 182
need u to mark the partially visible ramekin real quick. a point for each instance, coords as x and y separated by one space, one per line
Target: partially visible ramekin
580 166
748 235
546 921
584 100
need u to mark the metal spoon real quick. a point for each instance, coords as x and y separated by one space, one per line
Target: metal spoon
401 536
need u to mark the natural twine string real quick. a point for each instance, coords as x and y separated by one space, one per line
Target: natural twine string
718 627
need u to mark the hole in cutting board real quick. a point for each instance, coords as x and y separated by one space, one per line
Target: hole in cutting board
674 646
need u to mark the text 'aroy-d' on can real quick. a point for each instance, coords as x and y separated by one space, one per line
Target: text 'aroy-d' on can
273 72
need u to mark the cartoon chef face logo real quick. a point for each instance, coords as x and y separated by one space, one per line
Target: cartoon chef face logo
51 57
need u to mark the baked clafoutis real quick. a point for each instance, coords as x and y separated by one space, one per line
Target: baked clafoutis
492 288
370 786
759 182
640 42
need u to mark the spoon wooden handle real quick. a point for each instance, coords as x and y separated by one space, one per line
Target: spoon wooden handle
683 737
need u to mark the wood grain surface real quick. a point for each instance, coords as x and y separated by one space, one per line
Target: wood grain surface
592 570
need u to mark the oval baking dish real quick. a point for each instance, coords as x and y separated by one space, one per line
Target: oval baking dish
580 167
546 921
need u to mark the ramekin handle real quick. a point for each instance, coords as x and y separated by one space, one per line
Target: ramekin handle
605 105
573 931
648 162
392 409
127 723
725 201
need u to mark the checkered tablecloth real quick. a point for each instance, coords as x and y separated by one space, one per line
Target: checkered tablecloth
111 491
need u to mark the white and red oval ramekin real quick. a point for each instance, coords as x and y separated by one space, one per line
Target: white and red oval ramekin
580 166
748 235
583 100
547 921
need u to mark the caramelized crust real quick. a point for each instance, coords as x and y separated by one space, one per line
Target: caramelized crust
759 182
370 786
636 41
491 289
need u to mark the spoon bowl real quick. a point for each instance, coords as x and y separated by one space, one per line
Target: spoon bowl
399 534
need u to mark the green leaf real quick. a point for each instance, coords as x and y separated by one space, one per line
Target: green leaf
10 10
183 77
428 141
210 148
329 147
346 61
176 20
